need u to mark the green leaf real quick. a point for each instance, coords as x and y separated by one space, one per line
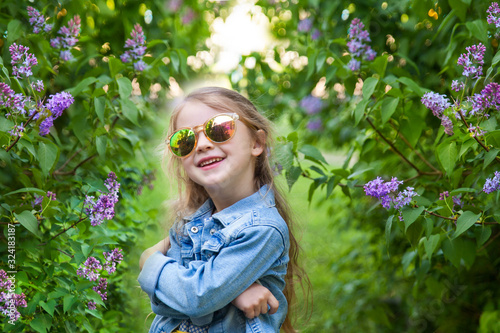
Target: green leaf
101 143
410 215
29 221
47 156
359 111
49 306
174 58
75 91
430 245
124 87
389 105
130 110
14 29
388 227
482 235
496 59
369 87
379 65
412 85
68 301
115 66
312 153
27 189
447 153
41 323
458 249
478 29
292 175
320 60
465 221
99 106
490 157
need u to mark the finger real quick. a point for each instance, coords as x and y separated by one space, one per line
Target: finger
250 314
263 308
274 304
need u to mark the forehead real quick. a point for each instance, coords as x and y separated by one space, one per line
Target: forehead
194 113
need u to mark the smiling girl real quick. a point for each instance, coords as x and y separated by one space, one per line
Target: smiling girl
231 257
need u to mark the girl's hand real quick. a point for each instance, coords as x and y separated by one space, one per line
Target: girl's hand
161 246
254 301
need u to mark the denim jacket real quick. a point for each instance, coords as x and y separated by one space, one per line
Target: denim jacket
212 260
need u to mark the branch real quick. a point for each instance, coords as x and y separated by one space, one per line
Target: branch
475 137
72 172
68 160
399 153
19 137
64 230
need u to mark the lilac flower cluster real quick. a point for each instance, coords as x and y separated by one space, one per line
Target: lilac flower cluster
68 39
56 104
112 259
38 21
457 85
188 17
22 61
437 104
9 99
39 198
136 48
457 199
472 61
17 131
388 193
104 207
492 184
357 45
488 98
305 25
10 301
493 14
91 270
314 125
37 85
311 104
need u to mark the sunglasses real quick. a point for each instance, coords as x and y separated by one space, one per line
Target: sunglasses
218 129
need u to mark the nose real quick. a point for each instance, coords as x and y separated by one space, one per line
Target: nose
203 142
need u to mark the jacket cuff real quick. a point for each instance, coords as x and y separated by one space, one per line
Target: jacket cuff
148 278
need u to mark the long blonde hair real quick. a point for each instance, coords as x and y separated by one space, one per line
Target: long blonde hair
192 195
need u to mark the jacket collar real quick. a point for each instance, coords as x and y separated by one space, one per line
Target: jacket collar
264 197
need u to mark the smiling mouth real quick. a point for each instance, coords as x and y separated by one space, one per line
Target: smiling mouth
210 161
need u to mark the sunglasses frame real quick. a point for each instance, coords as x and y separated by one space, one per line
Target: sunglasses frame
202 128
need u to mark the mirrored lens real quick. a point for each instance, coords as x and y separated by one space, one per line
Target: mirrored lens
182 142
220 128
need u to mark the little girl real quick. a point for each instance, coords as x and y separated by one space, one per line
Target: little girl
231 253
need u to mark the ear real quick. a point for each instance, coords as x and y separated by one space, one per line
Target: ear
259 143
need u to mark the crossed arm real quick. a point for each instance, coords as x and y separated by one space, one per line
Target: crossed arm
254 301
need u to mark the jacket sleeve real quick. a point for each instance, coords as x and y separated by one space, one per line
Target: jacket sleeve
207 286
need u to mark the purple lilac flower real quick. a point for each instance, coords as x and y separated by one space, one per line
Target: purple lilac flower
457 85
101 288
17 131
447 124
38 21
305 25
314 125
91 305
381 190
188 17
104 207
315 34
9 301
68 39
37 201
89 269
45 126
37 85
51 195
112 259
311 104
492 184
443 195
457 199
22 61
488 98
174 5
59 102
136 48
472 61
436 103
404 198
493 14
358 44
476 131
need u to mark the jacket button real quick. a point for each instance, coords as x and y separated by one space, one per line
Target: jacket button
194 230
212 231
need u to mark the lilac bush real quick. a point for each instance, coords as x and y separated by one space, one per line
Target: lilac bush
67 39
358 46
22 61
38 21
136 49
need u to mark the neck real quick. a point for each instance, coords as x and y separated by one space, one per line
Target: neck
223 198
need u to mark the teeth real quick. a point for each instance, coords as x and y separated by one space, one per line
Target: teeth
210 161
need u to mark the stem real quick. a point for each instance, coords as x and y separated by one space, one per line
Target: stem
19 137
72 172
64 230
68 160
399 153
475 137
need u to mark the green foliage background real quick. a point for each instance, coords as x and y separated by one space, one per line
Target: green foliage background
438 270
